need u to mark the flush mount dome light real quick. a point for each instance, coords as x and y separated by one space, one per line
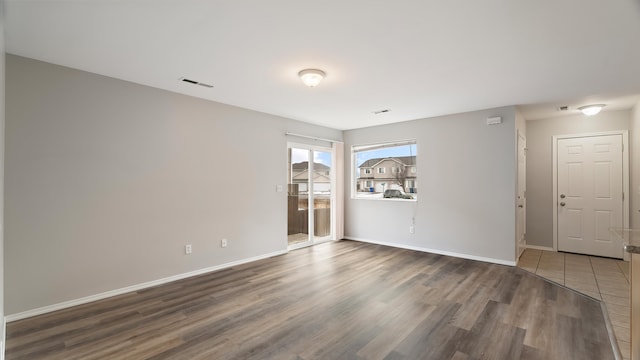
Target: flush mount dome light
591 110
311 77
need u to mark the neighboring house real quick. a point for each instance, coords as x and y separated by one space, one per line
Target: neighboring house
321 176
379 174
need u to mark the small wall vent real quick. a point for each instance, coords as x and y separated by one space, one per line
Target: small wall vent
196 82
563 108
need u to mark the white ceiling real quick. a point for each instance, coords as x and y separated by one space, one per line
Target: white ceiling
419 58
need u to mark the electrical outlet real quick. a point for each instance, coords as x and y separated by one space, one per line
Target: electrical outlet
187 249
412 229
223 243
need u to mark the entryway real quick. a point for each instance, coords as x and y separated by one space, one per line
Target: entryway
311 184
590 179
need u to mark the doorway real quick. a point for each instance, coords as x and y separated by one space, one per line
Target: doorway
522 195
590 181
311 184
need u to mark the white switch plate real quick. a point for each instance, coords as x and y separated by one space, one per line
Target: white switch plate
412 229
187 249
279 188
223 243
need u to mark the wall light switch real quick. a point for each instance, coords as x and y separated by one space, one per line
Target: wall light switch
279 188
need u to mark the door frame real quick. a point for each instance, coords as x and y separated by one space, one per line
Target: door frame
520 249
333 178
625 176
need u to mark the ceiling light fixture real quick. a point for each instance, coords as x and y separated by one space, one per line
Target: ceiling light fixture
311 77
591 110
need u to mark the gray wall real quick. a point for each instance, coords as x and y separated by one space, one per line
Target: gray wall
634 171
466 176
539 164
2 121
107 180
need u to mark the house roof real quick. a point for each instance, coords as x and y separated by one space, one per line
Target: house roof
405 160
301 166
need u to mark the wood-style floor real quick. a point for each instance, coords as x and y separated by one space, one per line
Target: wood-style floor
339 300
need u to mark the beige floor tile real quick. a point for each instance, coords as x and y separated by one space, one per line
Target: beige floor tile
625 349
593 294
550 262
532 252
578 268
544 271
624 266
529 269
619 320
622 334
613 269
530 256
581 287
616 300
527 263
580 277
576 260
613 291
554 263
557 276
618 309
615 282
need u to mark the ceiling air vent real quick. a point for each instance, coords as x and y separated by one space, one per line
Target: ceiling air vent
196 82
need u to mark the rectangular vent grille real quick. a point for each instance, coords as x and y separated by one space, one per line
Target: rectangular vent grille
196 82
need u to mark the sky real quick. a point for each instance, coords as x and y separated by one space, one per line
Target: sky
300 155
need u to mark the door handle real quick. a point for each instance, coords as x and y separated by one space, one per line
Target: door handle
562 204
562 196
520 206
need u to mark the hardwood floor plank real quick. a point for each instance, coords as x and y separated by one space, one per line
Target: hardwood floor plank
339 300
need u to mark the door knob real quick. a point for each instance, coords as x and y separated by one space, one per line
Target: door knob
562 196
562 204
520 206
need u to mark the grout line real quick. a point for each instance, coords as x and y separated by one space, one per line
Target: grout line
593 271
538 263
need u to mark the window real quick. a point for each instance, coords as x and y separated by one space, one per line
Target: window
399 183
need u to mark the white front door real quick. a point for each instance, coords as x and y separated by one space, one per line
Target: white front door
590 200
522 200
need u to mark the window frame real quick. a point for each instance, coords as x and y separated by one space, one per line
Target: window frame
359 190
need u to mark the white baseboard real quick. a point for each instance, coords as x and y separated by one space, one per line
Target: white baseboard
536 247
435 251
108 294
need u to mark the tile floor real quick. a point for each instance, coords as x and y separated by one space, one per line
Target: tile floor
604 279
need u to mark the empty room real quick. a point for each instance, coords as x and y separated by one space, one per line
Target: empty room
336 180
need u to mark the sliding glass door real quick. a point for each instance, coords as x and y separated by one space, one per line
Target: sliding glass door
310 195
